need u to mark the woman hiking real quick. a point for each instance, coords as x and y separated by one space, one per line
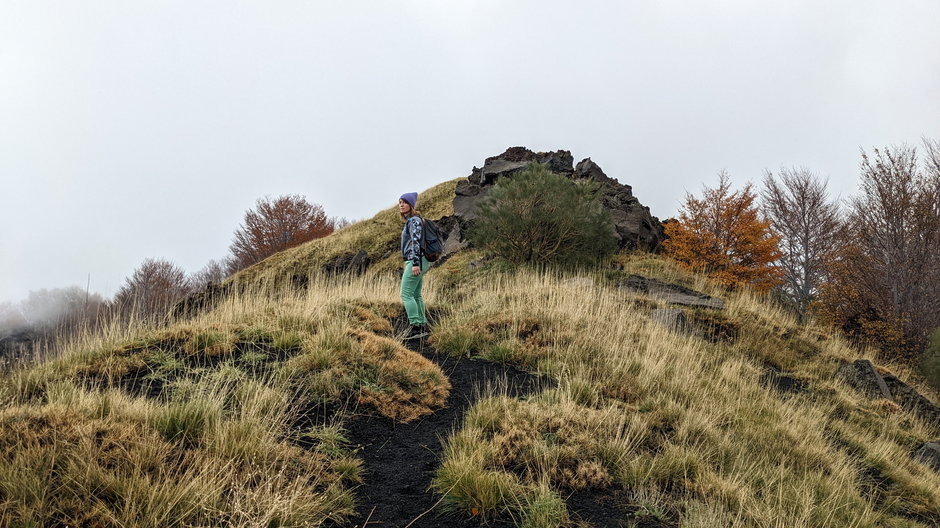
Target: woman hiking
415 266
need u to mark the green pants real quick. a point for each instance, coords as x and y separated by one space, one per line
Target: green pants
411 292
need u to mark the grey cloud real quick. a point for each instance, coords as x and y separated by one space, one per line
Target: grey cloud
132 130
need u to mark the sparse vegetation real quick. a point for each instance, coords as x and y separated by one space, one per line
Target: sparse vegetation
541 218
238 415
681 418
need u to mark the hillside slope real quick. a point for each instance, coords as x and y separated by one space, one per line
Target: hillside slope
257 411
377 236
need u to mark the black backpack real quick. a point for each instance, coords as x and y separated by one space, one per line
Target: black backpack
431 244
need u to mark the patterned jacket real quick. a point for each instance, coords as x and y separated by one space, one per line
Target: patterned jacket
411 240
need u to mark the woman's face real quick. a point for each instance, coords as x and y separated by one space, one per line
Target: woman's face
403 206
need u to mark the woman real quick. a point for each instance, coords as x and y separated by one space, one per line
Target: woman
415 266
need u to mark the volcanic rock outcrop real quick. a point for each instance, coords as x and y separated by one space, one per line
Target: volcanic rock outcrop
636 227
865 378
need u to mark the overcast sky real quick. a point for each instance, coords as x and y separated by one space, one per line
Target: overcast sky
132 129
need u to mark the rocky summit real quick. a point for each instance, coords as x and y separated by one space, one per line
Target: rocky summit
636 227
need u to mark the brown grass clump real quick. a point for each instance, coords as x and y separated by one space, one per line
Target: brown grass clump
403 385
559 442
518 339
376 316
519 458
43 447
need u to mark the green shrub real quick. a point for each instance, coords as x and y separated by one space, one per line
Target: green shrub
188 421
538 217
930 363
544 509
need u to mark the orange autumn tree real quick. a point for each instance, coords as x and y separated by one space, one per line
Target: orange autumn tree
723 234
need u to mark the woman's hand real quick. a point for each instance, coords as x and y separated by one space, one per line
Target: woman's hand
415 271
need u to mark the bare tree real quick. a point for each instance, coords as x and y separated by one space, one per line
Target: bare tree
276 225
214 272
932 157
896 219
152 289
886 281
341 222
806 222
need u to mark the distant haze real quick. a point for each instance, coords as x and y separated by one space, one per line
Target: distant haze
145 129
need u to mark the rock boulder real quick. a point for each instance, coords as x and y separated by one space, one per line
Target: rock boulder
929 454
636 227
671 293
864 377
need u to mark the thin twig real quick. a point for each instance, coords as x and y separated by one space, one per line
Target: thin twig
369 517
432 506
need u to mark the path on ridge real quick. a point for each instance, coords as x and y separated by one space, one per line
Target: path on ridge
400 459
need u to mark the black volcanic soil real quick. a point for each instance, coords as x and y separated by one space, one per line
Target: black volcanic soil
400 459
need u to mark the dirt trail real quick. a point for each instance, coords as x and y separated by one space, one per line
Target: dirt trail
400 459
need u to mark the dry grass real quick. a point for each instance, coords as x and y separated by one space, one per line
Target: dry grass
403 385
196 423
682 418
87 458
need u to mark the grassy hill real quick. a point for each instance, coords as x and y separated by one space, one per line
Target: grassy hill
243 415
379 236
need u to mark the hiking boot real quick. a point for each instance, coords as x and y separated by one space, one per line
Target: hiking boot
417 332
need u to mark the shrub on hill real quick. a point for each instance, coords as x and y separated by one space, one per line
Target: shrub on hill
542 218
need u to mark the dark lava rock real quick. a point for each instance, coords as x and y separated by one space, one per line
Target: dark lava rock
351 263
452 233
929 454
201 301
773 378
600 508
674 319
671 293
863 376
17 346
911 400
636 227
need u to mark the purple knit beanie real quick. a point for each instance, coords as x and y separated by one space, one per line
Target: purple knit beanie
411 198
